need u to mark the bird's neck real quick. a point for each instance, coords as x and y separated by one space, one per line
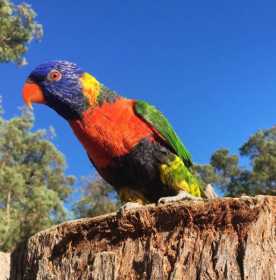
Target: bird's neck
91 89
96 93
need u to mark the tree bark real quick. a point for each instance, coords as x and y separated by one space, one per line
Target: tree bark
229 238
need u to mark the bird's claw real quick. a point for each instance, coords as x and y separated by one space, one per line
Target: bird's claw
129 206
180 196
209 192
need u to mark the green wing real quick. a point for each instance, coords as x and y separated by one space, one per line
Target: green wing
159 122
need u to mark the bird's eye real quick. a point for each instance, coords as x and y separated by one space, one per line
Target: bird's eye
54 75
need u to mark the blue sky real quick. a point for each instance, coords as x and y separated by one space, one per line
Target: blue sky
210 66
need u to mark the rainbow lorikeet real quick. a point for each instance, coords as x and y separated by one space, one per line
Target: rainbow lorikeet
131 144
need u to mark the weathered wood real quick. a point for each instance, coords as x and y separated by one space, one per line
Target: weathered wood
4 266
220 239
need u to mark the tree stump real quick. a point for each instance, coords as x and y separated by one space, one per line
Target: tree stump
4 266
227 238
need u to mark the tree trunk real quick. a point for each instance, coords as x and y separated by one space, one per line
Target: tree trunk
229 238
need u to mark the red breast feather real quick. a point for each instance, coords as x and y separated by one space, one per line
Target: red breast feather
110 130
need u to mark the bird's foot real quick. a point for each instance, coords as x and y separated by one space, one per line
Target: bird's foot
245 197
180 196
129 206
209 192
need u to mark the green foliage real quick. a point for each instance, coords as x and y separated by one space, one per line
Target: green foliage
98 198
17 29
261 149
206 173
33 186
224 170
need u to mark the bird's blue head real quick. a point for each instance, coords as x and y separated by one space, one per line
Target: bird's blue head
63 86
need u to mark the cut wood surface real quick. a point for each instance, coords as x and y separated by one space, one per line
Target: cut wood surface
4 266
229 238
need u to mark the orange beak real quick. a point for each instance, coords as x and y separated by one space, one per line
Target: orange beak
32 93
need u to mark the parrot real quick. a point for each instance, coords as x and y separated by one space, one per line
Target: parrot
131 144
